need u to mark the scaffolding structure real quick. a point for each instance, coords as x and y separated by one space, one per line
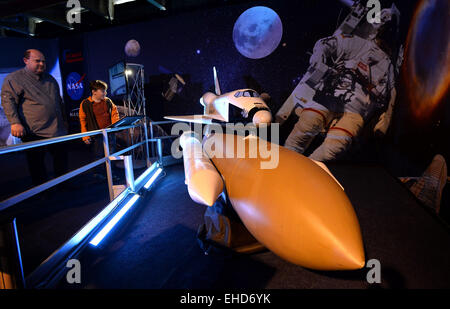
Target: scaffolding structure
134 104
134 101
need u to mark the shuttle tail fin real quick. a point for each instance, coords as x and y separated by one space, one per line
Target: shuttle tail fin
216 82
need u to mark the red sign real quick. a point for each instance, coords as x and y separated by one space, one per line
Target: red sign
74 57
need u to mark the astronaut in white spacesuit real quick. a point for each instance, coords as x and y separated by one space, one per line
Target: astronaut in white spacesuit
359 80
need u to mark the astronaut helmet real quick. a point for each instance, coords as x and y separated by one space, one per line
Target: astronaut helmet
387 15
387 36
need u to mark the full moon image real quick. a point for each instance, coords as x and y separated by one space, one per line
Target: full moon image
257 32
132 48
427 67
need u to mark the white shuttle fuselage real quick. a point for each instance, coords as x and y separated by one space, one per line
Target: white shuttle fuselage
217 106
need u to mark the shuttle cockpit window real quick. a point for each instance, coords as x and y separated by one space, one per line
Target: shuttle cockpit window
251 94
247 94
255 94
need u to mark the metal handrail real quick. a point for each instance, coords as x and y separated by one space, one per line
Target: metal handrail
121 152
10 201
162 137
162 122
53 140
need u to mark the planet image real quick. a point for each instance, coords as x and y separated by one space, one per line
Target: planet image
427 63
257 32
132 48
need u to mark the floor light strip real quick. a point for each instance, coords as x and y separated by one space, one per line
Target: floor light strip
108 227
150 182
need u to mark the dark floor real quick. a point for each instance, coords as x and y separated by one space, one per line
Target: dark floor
157 246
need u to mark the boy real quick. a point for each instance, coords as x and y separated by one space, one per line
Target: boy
97 111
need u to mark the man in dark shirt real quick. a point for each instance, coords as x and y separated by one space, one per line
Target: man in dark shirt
32 103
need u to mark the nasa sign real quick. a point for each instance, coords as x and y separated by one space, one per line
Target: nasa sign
74 86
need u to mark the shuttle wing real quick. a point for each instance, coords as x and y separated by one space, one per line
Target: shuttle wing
192 118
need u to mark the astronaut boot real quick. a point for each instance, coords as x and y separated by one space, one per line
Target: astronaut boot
428 188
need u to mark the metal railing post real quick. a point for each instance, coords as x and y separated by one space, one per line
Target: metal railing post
159 146
18 252
129 172
146 144
108 164
151 137
11 268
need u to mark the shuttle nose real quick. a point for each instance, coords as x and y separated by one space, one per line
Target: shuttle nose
351 257
261 117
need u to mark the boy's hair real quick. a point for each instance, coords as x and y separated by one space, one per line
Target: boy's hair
98 84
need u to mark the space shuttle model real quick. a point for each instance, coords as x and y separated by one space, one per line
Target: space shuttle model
297 209
217 106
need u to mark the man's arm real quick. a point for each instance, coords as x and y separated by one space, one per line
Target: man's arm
63 109
65 115
10 103
60 100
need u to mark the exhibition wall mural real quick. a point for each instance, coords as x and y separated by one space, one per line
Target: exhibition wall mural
274 59
390 79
